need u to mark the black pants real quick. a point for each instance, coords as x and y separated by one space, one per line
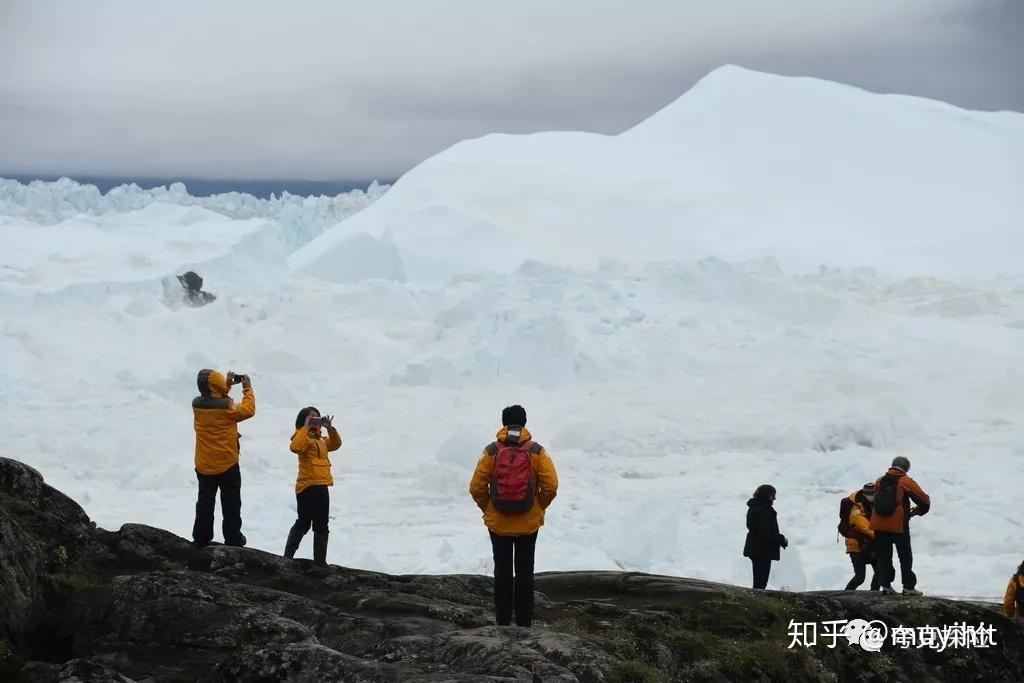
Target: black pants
762 568
861 561
513 590
230 484
313 504
884 542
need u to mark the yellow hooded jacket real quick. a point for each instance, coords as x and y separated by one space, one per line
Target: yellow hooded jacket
314 465
530 521
1010 605
859 520
216 422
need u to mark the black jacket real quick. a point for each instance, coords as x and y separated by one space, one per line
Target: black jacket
763 537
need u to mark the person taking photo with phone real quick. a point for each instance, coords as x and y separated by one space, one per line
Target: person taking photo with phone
312 500
216 417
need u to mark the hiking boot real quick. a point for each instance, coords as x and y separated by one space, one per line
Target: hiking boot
888 590
292 544
238 541
911 591
320 548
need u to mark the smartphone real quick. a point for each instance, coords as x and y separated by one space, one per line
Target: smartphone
316 422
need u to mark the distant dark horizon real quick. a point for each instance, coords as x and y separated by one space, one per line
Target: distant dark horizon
204 187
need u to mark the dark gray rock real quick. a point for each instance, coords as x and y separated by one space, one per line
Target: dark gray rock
143 604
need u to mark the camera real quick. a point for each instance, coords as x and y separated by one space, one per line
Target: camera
316 422
238 379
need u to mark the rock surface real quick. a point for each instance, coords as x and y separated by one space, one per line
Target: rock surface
141 604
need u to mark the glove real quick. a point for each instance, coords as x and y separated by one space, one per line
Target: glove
783 542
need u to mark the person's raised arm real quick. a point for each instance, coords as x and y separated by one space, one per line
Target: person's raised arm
300 439
247 408
333 435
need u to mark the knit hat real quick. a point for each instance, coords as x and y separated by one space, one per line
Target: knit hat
901 462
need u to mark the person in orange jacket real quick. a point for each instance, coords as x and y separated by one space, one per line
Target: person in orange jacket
893 529
312 499
859 548
216 417
513 485
1013 600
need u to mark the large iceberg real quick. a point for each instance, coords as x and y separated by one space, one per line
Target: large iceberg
745 165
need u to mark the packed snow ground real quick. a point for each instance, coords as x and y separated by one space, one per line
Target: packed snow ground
667 379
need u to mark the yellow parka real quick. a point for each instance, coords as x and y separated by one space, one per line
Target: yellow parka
314 465
1010 599
530 521
859 520
216 417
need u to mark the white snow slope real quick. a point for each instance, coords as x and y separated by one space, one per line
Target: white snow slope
772 280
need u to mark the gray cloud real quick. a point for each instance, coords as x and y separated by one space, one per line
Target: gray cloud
338 90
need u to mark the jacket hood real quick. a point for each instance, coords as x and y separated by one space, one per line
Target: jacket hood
897 472
212 383
524 434
754 502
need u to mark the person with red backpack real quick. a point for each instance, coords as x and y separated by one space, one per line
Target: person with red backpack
854 513
1013 601
514 483
890 520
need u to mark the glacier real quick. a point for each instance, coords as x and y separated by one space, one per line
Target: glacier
771 280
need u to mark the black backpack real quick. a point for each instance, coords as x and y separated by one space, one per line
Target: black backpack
885 500
845 528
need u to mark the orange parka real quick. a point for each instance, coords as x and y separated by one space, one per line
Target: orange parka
504 524
1010 604
907 490
314 464
216 417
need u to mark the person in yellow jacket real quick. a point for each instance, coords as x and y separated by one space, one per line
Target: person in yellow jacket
859 547
216 417
1013 601
513 484
312 500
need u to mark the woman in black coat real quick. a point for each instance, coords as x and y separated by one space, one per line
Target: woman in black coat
763 537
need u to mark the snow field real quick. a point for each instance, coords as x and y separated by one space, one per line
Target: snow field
771 280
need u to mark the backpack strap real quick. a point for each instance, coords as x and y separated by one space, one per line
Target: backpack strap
492 448
535 448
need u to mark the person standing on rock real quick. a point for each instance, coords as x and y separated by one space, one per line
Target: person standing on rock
763 537
890 520
859 536
216 418
514 483
312 499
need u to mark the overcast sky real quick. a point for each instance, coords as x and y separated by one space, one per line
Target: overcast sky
340 90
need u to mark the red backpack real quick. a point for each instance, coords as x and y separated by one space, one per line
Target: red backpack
846 529
513 483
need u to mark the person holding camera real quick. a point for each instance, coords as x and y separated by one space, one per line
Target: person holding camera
312 500
216 418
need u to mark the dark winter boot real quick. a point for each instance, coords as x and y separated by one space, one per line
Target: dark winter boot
320 548
292 544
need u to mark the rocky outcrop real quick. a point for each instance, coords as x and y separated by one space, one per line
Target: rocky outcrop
84 604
